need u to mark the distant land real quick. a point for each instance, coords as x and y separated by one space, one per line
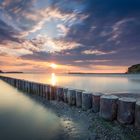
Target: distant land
91 73
134 69
10 71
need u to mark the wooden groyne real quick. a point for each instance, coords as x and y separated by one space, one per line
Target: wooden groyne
124 110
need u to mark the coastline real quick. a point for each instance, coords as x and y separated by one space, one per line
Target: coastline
86 125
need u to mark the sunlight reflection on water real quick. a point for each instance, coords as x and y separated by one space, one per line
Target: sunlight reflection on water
120 83
53 79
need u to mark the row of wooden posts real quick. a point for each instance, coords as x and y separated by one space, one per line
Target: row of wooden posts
110 107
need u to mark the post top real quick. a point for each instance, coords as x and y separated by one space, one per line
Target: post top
138 103
97 93
109 97
127 99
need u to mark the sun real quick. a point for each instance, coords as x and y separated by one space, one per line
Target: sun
53 65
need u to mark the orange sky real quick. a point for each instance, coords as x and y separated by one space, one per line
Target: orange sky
11 63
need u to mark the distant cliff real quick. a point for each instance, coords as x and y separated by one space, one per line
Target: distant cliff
10 71
1 71
134 69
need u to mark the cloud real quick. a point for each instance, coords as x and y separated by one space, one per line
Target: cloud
7 33
97 52
62 29
76 33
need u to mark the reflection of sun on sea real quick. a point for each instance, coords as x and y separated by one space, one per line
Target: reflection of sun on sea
53 76
53 79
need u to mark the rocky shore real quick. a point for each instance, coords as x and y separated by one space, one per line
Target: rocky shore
86 125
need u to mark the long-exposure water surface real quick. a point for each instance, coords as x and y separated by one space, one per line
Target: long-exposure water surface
22 118
106 83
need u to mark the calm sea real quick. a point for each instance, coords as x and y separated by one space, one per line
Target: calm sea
22 118
106 83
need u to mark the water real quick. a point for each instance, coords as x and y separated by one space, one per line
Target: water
22 118
106 83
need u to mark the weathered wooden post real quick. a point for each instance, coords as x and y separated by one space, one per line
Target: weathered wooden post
65 90
35 89
108 107
44 91
96 102
53 93
79 98
48 92
41 89
31 88
23 85
126 110
28 87
86 101
60 94
20 84
137 115
71 97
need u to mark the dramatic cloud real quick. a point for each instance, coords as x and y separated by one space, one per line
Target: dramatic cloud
84 34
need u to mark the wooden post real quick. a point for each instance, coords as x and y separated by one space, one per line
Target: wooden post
48 92
126 110
137 115
108 107
79 98
96 102
60 94
86 101
71 97
65 90
53 93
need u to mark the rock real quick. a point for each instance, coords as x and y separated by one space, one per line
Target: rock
134 69
108 107
126 110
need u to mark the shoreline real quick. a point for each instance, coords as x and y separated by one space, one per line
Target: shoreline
86 125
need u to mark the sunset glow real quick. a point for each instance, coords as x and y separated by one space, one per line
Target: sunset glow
53 65
81 36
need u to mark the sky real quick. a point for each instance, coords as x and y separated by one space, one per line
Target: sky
101 36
